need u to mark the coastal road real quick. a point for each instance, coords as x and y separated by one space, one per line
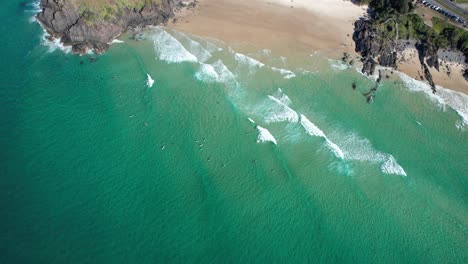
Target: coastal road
454 9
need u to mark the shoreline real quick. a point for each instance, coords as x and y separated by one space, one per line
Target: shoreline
298 28
291 31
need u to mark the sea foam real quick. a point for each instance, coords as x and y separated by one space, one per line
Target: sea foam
277 111
282 97
245 61
149 81
169 49
193 47
265 135
34 8
360 149
287 74
54 44
117 41
224 74
207 73
390 166
443 97
313 130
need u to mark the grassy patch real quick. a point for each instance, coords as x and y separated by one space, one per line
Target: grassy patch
107 10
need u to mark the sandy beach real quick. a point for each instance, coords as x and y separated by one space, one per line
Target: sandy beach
285 26
297 28
450 74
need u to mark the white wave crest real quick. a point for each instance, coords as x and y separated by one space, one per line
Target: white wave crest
33 8
207 73
149 81
169 49
338 65
252 64
276 111
54 44
282 97
265 135
313 130
361 149
444 97
286 73
390 166
224 74
117 41
193 47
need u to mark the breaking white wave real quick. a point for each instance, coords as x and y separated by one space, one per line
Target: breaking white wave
361 149
193 47
224 74
276 111
338 65
169 49
207 73
212 47
252 64
313 130
265 135
53 44
34 8
286 73
117 41
282 97
390 166
149 81
444 97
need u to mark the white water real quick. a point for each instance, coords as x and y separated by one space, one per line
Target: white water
224 74
357 148
443 97
390 166
194 47
149 81
265 135
207 73
54 44
273 110
168 48
338 65
282 97
245 61
117 41
313 130
286 73
33 8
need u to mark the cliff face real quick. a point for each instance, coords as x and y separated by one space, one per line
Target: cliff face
83 29
370 44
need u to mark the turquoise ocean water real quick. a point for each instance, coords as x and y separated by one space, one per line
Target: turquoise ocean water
226 157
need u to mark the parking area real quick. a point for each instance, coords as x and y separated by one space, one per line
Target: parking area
443 11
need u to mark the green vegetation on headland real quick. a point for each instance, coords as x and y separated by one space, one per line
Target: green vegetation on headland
93 24
408 25
390 27
107 10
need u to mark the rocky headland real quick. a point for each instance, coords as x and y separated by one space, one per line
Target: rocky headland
92 25
390 28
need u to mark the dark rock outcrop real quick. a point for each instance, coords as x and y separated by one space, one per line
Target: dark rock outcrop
427 53
79 29
368 65
373 46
